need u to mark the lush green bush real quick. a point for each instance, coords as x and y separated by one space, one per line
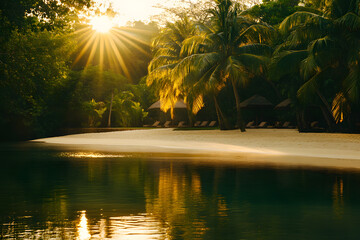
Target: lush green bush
33 72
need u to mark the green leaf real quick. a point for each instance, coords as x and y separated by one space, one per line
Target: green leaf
350 21
295 20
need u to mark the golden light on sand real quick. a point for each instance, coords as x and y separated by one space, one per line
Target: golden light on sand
101 24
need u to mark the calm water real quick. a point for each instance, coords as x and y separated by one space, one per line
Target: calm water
50 194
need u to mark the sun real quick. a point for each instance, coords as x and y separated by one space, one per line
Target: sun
101 24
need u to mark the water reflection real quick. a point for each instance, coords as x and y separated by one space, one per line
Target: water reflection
141 227
177 198
83 232
60 196
90 155
338 198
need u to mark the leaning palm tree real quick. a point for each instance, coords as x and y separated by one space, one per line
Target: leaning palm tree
167 48
176 42
230 51
326 48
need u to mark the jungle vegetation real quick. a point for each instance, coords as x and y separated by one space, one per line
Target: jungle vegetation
56 73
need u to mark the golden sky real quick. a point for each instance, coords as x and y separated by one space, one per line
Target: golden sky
134 10
144 10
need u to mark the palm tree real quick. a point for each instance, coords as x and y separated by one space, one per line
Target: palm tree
231 50
174 44
202 60
326 48
168 53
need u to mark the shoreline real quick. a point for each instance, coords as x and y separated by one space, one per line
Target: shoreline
259 146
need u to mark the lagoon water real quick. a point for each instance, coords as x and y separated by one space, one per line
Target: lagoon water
56 194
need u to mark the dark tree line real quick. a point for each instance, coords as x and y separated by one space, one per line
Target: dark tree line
213 57
307 51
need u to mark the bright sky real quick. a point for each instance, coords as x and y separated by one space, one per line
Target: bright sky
143 10
134 10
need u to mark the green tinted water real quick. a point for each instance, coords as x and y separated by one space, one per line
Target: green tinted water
49 194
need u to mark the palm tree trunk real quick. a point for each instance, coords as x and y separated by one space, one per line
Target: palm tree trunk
110 110
190 116
327 118
300 118
239 121
223 123
326 110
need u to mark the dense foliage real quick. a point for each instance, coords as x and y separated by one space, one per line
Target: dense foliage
55 73
313 47
44 88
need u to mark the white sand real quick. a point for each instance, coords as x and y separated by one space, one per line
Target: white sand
316 149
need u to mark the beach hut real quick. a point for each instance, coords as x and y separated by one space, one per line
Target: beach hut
284 105
256 102
285 113
258 108
178 105
180 112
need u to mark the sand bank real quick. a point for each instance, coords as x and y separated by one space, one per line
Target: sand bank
316 149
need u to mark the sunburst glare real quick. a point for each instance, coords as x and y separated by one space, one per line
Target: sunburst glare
109 46
101 24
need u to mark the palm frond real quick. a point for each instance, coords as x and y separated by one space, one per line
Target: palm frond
308 9
192 45
195 99
193 65
352 85
349 21
308 67
252 63
216 81
325 52
340 107
237 71
286 62
338 8
261 33
159 73
296 19
161 61
302 36
308 90
255 49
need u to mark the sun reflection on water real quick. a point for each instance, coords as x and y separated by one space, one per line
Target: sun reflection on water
83 232
91 155
140 227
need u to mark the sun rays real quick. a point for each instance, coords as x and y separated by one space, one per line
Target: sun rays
110 47
101 24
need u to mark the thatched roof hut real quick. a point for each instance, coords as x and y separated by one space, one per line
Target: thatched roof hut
256 102
284 104
179 104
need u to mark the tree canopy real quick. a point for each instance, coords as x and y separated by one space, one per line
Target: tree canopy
56 72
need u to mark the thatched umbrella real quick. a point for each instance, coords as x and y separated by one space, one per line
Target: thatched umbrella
180 111
256 102
179 104
283 105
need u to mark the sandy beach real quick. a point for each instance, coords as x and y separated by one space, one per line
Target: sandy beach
273 146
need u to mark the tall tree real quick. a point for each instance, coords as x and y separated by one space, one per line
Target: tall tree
33 72
272 12
232 51
229 49
326 49
168 53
